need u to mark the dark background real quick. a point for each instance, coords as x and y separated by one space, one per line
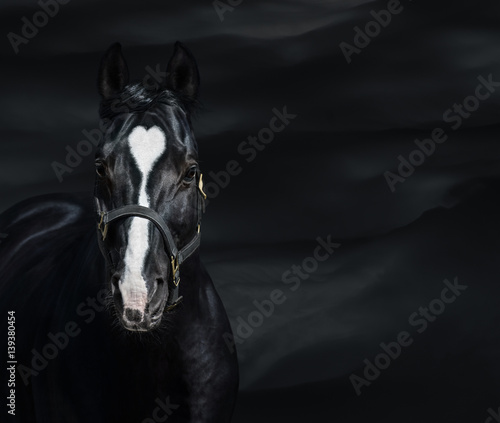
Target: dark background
323 175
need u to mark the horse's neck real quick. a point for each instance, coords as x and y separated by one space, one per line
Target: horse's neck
195 282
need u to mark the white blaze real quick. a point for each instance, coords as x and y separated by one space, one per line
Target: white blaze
146 146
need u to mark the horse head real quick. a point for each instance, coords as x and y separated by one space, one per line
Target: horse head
148 188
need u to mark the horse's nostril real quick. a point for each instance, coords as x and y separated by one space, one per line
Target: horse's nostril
159 285
134 316
115 279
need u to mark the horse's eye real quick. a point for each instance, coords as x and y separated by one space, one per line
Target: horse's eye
190 174
100 169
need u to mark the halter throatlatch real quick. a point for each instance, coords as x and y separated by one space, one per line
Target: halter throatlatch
177 257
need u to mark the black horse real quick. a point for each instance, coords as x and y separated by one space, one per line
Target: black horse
123 323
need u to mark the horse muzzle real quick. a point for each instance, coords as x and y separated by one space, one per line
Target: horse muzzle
139 305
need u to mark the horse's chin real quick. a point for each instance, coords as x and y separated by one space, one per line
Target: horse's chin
147 326
139 329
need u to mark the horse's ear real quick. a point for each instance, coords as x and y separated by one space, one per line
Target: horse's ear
182 72
113 72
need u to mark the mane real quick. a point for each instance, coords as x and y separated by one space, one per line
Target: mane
136 98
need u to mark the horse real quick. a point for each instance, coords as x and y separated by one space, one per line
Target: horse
112 315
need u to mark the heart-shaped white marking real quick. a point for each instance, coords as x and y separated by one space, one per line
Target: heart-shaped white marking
146 146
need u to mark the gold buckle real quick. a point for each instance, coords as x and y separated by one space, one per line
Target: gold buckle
104 231
200 186
171 306
175 270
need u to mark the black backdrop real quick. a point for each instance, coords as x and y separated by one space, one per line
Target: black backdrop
323 175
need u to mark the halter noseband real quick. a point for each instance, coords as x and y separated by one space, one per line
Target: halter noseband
177 257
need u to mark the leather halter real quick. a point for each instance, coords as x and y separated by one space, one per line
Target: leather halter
177 257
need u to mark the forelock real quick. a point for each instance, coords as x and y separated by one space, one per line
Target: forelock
136 98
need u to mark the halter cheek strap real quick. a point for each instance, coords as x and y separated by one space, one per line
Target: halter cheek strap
177 257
